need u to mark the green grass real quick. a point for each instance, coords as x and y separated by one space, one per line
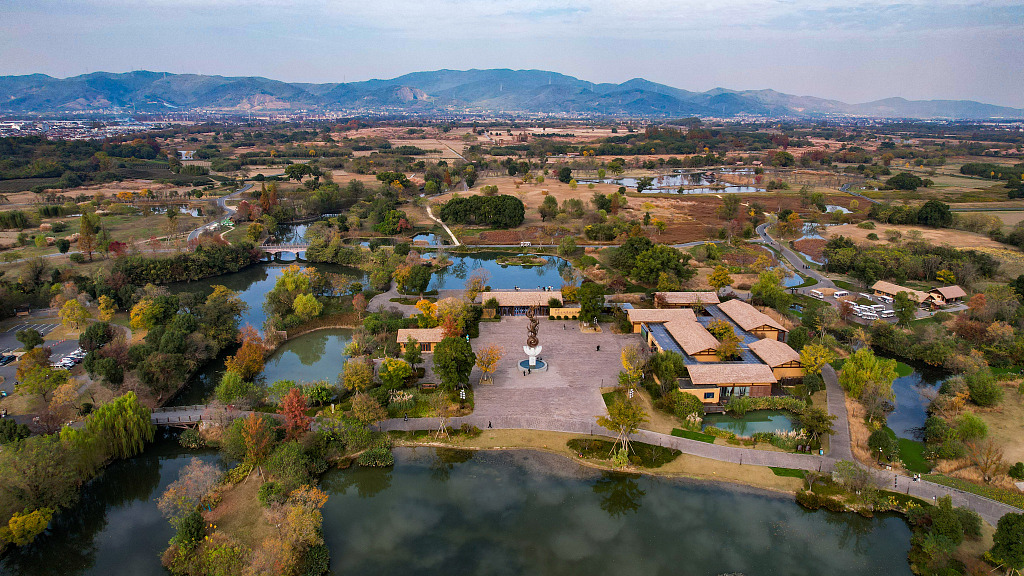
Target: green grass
699 436
912 455
1015 499
903 370
846 285
609 397
787 472
1006 370
838 364
645 455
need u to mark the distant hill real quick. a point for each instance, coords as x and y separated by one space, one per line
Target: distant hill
494 91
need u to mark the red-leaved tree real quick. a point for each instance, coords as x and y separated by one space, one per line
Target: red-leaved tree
294 410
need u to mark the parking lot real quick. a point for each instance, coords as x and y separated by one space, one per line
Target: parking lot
9 345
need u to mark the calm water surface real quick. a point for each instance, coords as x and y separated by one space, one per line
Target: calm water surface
459 512
442 512
752 422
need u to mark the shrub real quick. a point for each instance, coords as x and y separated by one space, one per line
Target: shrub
191 530
379 456
884 443
271 493
872 236
315 561
866 225
719 433
1017 471
985 391
77 258
191 439
470 431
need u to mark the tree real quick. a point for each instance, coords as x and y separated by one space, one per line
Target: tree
883 442
564 174
107 308
357 375
123 426
453 362
904 308
591 297
43 380
183 496
367 409
248 361
233 389
73 314
394 372
359 303
815 356
63 245
488 359
720 278
258 438
624 418
22 529
294 410
412 353
29 338
306 306
87 235
11 431
869 379
987 457
816 421
1008 543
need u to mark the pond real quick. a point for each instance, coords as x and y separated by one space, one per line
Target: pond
315 356
253 283
430 239
501 276
116 528
752 422
914 393
460 512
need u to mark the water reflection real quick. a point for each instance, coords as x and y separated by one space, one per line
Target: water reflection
620 493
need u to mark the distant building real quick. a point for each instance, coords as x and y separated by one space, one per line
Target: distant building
684 299
947 295
518 302
890 290
185 154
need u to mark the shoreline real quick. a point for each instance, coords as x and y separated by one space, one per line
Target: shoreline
683 466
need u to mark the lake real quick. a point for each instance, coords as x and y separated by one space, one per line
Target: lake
440 512
913 395
501 277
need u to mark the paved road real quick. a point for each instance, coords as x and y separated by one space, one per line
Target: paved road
794 260
222 202
44 321
840 442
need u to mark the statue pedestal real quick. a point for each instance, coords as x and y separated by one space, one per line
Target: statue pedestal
532 352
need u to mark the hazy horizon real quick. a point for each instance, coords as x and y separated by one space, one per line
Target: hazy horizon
853 52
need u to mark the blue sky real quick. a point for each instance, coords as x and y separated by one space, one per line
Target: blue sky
851 51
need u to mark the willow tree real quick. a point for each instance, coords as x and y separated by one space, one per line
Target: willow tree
123 426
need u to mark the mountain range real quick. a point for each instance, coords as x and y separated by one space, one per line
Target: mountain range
494 91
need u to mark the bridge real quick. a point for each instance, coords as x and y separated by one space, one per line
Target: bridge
284 248
189 416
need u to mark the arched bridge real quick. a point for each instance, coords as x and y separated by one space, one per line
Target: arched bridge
279 248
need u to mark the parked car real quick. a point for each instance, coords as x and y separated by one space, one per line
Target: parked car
5 360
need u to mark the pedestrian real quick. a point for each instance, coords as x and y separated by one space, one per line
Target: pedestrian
524 372
406 416
563 326
489 424
598 347
529 370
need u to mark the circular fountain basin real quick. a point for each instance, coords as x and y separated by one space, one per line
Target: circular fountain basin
540 367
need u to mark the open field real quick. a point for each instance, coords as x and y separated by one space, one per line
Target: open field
1006 425
938 236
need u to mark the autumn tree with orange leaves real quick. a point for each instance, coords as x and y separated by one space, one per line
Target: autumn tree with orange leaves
293 407
248 361
258 436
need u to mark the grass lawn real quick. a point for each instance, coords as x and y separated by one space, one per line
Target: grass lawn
699 436
645 455
787 472
240 514
1012 498
912 455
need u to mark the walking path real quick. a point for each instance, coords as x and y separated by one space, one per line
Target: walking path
455 241
839 443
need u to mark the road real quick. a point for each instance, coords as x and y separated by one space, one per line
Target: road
44 321
222 203
794 260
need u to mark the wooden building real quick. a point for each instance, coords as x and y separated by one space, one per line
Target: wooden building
684 299
783 360
729 379
427 337
753 320
517 302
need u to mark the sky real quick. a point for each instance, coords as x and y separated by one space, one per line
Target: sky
850 51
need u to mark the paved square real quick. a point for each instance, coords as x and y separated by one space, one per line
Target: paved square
569 389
